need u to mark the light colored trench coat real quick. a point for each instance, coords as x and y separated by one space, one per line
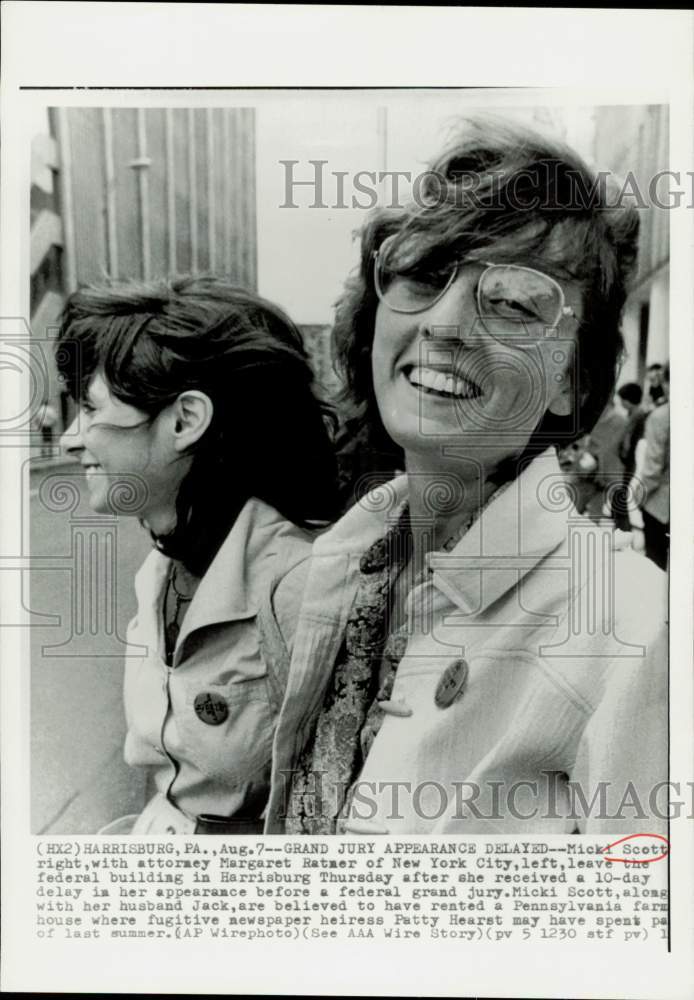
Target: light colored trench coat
560 725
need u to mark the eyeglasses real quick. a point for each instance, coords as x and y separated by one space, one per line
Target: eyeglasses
512 301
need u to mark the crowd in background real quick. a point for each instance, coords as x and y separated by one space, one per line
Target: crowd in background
622 468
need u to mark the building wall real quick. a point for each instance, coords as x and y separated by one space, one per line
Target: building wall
138 193
633 142
157 191
47 252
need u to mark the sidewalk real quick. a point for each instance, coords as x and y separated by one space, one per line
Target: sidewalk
79 781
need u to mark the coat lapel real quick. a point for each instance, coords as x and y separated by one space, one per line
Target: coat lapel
519 528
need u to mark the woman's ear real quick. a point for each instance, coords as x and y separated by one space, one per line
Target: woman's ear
192 415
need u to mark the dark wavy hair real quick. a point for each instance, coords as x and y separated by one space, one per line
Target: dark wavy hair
270 435
496 180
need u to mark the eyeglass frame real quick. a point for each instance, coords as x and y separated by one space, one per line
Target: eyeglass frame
564 309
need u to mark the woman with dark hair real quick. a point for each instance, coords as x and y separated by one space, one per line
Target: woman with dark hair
472 655
630 396
197 414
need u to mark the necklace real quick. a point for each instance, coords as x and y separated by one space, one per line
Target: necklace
172 628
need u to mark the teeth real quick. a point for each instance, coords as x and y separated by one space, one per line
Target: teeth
436 381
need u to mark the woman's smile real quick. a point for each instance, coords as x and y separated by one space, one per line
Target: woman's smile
440 375
123 454
443 382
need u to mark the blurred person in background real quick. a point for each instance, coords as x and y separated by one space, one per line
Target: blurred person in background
46 422
605 443
631 396
655 478
656 395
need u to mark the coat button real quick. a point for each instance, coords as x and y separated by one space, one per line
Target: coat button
451 684
210 708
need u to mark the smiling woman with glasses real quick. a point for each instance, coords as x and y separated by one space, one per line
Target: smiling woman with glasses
473 656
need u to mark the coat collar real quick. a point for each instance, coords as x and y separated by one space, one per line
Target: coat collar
521 525
232 588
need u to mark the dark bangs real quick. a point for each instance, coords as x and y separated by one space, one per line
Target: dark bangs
111 345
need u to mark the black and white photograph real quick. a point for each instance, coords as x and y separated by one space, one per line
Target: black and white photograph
420 515
339 566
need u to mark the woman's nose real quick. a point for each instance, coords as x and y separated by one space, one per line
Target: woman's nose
71 440
454 316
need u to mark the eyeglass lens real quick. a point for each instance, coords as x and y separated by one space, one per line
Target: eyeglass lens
507 294
518 295
412 293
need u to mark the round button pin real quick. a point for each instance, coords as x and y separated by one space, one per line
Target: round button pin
451 684
210 708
